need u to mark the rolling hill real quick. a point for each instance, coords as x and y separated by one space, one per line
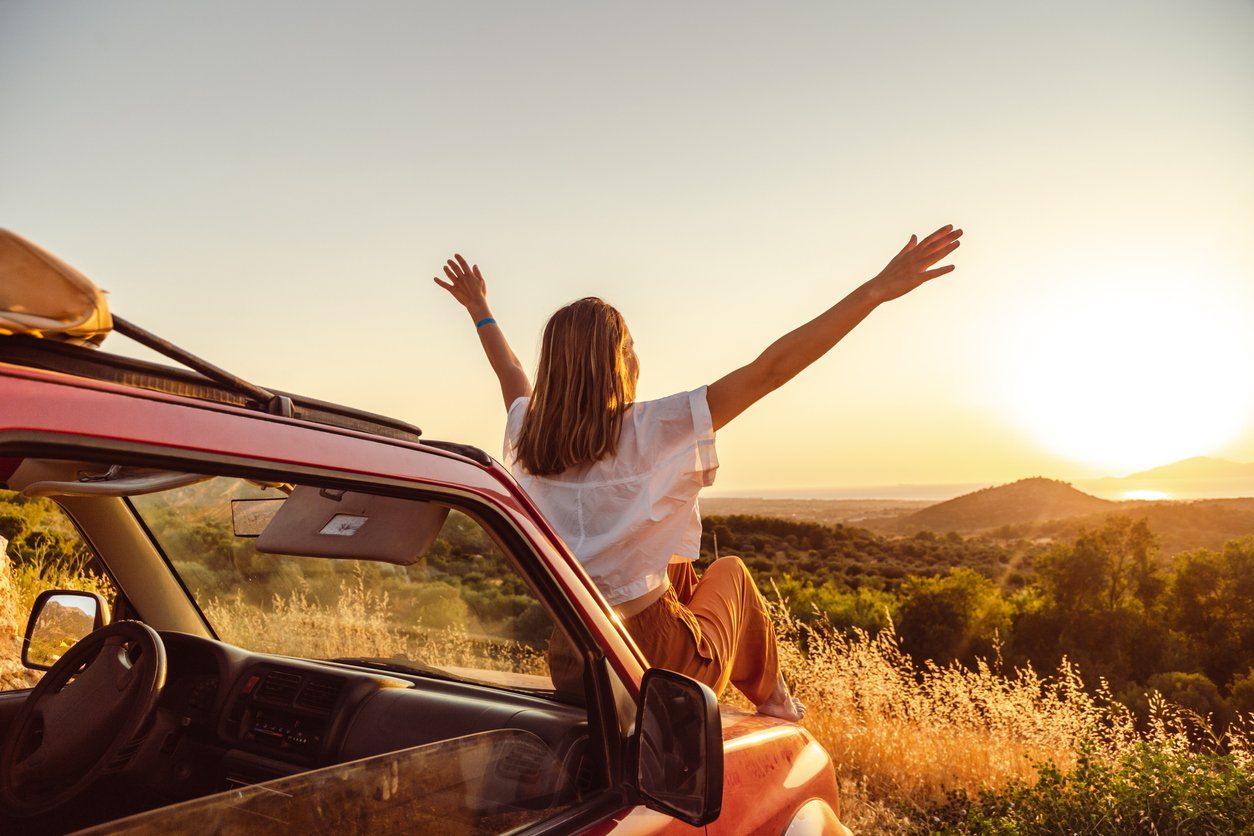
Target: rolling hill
1033 500
1035 509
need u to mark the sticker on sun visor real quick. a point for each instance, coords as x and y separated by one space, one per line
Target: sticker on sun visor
344 525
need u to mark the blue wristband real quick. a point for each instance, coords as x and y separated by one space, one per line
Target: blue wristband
487 320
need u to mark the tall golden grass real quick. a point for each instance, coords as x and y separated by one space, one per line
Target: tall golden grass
902 738
356 624
20 584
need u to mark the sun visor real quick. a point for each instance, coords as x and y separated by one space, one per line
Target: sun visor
42 296
314 522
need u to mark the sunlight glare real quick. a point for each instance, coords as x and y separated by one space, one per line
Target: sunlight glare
1146 495
1127 374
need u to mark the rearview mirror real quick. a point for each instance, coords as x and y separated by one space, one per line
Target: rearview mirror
678 747
249 517
59 618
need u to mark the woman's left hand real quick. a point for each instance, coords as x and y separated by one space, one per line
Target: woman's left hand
910 267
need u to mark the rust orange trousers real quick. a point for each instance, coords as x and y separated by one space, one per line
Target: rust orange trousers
714 628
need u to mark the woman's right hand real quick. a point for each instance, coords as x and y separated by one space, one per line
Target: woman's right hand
466 285
909 268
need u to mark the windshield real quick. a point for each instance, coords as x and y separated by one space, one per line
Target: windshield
453 605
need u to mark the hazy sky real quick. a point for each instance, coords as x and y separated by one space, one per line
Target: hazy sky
273 185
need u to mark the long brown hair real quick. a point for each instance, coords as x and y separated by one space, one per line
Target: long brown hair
586 379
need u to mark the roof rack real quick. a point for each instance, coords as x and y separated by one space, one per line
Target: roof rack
273 403
52 317
205 382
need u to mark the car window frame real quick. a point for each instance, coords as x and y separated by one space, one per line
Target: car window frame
601 699
469 512
120 605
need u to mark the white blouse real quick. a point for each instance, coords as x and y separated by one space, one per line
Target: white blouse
627 516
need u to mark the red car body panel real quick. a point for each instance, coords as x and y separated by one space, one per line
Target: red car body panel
771 768
92 409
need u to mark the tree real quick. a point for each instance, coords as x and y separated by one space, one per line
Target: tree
1212 604
1192 691
1094 604
1076 575
954 617
1242 696
1147 582
12 526
1106 568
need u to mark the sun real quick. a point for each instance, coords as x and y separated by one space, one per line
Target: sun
1129 374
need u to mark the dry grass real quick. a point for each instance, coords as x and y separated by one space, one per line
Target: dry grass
902 738
19 586
358 623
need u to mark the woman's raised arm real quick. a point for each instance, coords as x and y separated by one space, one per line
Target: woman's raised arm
731 395
467 286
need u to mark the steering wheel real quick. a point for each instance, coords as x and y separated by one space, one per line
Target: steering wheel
85 718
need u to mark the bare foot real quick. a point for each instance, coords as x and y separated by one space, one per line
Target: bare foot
783 704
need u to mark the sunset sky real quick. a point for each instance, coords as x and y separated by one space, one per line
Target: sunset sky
274 185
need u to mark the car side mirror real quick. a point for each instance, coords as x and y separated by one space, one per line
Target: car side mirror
59 618
677 749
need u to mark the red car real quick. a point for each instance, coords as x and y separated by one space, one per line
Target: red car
258 612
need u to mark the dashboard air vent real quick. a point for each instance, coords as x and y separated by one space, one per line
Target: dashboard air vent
320 694
525 764
279 687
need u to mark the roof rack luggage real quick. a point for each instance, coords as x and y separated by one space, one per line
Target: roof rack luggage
43 296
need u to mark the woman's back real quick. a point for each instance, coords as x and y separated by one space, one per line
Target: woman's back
619 480
626 516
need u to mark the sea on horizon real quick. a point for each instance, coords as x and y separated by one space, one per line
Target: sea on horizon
1113 489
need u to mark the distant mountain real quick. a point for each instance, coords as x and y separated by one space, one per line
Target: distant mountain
1026 501
1197 478
56 619
1199 467
1041 510
208 501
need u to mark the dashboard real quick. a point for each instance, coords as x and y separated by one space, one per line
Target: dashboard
229 717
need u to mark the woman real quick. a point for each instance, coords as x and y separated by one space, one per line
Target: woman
619 478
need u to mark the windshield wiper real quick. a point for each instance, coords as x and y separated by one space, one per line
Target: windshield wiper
420 669
395 666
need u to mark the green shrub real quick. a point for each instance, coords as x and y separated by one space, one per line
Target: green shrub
12 526
1192 691
957 617
438 605
863 609
1148 790
1242 697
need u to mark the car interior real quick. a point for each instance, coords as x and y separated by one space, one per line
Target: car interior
223 632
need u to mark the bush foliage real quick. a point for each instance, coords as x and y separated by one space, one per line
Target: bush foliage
1148 789
1107 601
